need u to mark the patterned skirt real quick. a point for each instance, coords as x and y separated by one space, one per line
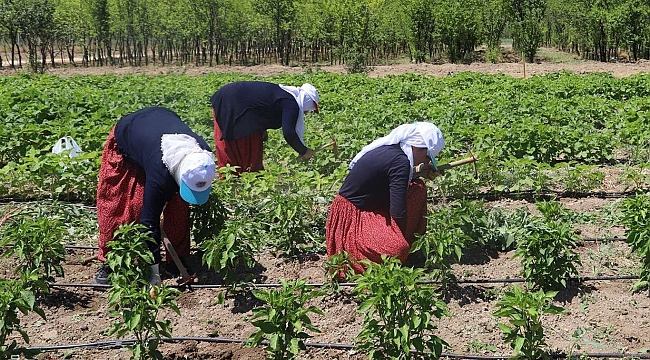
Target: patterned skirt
370 234
245 152
120 195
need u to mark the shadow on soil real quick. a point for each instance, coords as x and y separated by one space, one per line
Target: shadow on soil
469 294
573 289
66 298
478 256
206 275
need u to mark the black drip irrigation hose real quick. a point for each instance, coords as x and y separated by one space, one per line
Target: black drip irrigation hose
603 239
531 194
353 284
80 247
586 239
113 344
10 200
490 196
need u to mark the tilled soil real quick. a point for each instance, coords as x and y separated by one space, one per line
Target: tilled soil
511 66
613 319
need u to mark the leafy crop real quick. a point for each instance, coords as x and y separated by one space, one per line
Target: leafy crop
636 216
135 301
523 311
547 255
37 244
15 298
532 134
284 319
398 312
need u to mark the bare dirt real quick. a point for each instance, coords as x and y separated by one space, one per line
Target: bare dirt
614 319
549 61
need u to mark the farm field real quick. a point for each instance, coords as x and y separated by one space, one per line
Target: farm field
563 161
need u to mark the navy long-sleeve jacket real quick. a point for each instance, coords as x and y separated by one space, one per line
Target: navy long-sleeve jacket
379 180
138 136
246 107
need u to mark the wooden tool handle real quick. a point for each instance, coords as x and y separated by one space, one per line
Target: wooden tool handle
324 146
452 164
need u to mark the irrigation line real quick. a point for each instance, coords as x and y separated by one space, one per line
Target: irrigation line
80 247
491 196
604 239
16 201
530 194
586 239
111 344
353 284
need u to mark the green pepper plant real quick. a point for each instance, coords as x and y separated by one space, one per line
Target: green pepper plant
285 319
15 298
636 217
547 254
523 329
137 303
37 244
231 249
441 245
398 312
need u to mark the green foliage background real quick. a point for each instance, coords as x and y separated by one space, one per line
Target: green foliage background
356 33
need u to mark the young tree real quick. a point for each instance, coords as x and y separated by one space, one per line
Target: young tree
494 18
458 27
36 22
282 12
422 25
9 20
527 17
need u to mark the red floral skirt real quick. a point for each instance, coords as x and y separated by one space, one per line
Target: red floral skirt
245 152
370 234
120 195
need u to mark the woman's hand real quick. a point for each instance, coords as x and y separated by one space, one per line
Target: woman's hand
308 154
427 171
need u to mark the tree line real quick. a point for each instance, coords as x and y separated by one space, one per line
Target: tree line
357 33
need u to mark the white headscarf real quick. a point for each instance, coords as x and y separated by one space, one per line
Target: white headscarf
418 134
307 98
175 147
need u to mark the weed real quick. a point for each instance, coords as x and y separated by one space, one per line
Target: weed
477 346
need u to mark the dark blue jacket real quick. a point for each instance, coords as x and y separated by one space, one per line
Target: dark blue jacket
138 136
246 107
379 180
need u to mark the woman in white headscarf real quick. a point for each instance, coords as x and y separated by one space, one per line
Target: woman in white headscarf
152 164
382 203
243 111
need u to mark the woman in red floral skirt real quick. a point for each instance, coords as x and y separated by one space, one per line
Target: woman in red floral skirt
243 111
382 203
152 163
